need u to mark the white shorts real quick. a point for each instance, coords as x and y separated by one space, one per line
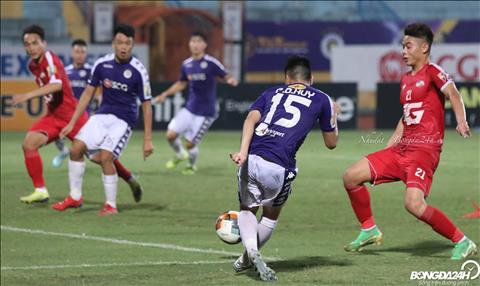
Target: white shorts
105 132
190 125
263 183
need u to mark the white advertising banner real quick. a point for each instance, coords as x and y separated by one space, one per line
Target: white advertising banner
14 60
369 64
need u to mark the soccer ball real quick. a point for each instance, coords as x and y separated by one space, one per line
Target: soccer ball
227 227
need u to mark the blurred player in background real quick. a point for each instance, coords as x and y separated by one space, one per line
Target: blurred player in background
199 72
54 86
275 128
124 79
78 74
413 152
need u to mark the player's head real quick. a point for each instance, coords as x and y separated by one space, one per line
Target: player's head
298 69
197 43
79 52
417 42
34 41
123 40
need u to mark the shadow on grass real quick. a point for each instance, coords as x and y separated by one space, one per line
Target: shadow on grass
89 206
424 248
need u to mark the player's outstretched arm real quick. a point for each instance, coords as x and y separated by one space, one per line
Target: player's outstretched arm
397 135
147 122
176 87
79 110
253 118
451 92
44 90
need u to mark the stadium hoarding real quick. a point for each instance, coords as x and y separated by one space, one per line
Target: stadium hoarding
370 64
389 109
234 104
14 60
268 42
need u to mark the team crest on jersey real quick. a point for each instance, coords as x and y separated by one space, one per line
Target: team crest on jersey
42 75
297 86
203 64
127 73
420 83
51 70
442 76
82 73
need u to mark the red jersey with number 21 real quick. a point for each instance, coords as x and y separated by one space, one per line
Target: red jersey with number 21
50 69
424 107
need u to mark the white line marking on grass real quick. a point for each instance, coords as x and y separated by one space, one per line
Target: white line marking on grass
86 265
118 241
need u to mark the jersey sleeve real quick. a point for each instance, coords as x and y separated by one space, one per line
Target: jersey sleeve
95 74
218 69
439 77
145 92
53 68
183 74
259 104
325 118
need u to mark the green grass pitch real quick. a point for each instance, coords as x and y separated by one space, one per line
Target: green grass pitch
169 238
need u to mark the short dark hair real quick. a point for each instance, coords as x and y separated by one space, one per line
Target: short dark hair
420 30
34 29
125 29
199 34
79 42
298 67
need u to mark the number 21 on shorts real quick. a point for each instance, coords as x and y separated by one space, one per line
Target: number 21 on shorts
420 173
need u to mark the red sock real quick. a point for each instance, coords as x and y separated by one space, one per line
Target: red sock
34 165
360 200
441 224
122 171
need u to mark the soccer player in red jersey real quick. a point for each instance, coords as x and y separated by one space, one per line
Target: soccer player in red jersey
55 88
413 152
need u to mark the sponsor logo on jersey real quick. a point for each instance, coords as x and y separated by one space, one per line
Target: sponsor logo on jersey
420 83
197 76
203 64
297 86
127 73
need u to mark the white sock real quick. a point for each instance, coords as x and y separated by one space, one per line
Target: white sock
42 190
247 222
192 155
177 147
76 170
110 185
265 230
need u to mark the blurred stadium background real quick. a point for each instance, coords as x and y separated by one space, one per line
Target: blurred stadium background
355 50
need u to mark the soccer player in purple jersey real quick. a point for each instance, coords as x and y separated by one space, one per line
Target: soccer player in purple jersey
275 128
124 80
192 122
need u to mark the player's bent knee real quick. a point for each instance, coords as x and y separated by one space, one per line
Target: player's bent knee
190 145
171 135
415 206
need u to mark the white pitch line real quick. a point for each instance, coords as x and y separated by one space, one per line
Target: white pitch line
119 241
86 265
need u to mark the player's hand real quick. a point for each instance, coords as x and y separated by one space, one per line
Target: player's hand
160 98
238 158
463 129
232 81
19 98
66 130
147 149
336 109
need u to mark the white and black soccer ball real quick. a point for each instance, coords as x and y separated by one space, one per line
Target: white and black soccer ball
227 227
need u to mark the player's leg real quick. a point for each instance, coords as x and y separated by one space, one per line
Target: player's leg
126 175
110 180
194 135
76 171
419 180
33 162
175 129
58 160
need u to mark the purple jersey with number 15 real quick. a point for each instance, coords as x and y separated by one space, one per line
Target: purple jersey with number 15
288 112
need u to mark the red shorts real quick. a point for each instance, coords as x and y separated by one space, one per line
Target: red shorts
51 126
414 167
